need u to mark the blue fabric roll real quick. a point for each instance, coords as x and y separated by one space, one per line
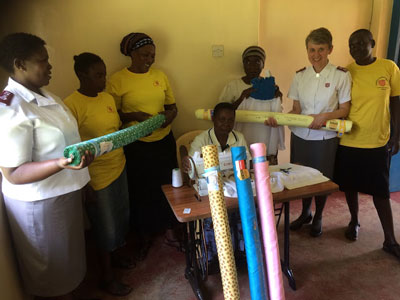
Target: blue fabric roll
252 242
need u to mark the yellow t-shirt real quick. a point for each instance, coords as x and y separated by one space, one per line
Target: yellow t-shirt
373 85
147 92
98 116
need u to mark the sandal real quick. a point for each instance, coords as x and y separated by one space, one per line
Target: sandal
393 249
122 262
116 288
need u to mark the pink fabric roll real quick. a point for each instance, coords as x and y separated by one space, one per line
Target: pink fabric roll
267 216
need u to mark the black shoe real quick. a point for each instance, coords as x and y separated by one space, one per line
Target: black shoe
352 231
296 224
316 227
393 249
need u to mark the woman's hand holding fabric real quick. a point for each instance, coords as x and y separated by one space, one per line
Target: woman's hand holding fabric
244 95
138 116
271 121
170 115
318 122
64 163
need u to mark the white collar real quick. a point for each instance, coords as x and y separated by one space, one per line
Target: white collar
325 71
28 95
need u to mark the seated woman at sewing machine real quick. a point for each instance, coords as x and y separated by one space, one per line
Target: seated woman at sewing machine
224 137
222 134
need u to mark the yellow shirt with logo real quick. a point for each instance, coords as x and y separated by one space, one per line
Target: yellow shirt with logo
98 116
373 85
147 92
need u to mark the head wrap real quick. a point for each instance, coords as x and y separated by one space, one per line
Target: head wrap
254 51
134 41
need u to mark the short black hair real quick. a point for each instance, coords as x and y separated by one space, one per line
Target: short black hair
365 32
18 45
84 61
223 105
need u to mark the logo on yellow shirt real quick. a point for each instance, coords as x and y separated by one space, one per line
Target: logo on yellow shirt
156 83
110 109
382 83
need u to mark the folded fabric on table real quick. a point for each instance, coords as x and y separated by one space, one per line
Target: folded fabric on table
294 176
104 144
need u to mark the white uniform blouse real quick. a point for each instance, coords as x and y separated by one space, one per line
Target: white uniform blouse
37 128
208 137
318 93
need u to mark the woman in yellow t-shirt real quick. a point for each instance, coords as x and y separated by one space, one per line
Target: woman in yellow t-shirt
364 154
140 92
108 211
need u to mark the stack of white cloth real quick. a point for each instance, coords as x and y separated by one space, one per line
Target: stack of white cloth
282 176
294 176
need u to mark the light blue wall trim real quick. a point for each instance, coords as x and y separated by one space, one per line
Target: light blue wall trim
394 37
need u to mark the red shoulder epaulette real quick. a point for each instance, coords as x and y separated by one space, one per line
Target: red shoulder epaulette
342 69
6 98
301 70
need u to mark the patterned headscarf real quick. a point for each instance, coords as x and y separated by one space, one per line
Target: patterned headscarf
254 51
134 41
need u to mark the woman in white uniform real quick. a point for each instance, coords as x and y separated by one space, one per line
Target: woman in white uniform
321 90
42 192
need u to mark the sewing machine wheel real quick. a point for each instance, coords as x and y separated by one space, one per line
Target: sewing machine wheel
201 250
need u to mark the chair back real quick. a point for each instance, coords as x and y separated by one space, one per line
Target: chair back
183 144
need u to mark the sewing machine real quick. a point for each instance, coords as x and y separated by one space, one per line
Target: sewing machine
226 167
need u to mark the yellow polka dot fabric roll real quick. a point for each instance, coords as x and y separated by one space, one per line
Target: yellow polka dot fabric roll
220 222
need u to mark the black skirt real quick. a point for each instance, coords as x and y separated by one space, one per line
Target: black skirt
149 165
317 154
363 170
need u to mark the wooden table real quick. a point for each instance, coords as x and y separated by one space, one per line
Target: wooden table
185 197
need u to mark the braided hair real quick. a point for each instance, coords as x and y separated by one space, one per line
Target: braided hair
134 41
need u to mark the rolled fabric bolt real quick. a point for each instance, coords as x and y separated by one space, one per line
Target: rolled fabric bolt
219 216
248 216
267 220
281 118
107 143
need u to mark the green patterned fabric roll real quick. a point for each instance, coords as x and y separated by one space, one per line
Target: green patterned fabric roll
107 143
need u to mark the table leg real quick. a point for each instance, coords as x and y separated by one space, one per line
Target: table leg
285 263
192 272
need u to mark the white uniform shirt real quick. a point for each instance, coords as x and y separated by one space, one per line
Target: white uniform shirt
273 138
319 93
37 128
208 137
